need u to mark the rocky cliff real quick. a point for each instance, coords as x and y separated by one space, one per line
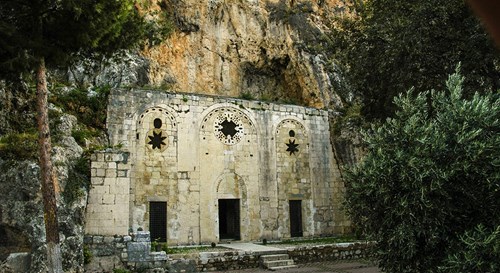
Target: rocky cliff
261 48
21 211
270 50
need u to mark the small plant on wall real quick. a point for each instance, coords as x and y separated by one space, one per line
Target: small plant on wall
155 245
247 96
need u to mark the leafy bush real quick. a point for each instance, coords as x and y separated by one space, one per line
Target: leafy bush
479 251
430 175
88 106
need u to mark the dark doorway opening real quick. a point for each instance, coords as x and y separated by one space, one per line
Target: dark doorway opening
158 221
296 218
229 219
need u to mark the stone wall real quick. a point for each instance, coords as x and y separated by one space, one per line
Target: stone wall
111 252
333 252
105 253
214 261
108 203
234 260
189 152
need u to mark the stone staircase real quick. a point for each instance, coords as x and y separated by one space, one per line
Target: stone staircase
277 262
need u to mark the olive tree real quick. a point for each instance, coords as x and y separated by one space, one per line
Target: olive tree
430 177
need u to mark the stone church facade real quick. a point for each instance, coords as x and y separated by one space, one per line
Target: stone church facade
198 169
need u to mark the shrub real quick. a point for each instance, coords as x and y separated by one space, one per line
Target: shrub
430 175
478 251
88 106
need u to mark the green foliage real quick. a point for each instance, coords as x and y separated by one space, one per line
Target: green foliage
431 174
19 146
87 255
55 30
88 106
479 251
160 27
183 250
392 45
154 244
247 96
164 247
81 135
350 117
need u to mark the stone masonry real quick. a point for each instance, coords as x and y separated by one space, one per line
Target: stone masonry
198 169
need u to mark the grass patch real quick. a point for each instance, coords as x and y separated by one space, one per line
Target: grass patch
189 249
19 146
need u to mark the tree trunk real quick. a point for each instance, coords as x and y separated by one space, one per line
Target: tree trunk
48 179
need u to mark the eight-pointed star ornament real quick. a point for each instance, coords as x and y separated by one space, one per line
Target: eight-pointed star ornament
157 140
292 147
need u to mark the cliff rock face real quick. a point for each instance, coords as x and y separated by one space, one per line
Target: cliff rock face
264 49
21 211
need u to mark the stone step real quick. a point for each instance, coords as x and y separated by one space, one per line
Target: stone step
282 267
274 257
158 256
277 263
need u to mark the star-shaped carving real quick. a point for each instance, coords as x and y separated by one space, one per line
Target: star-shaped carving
229 128
156 140
292 147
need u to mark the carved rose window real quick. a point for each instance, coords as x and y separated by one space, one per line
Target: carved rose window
228 127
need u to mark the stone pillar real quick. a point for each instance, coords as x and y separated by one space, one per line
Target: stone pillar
108 205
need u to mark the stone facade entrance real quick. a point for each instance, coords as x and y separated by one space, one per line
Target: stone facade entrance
229 219
223 168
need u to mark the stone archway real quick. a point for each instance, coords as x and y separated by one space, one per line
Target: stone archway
232 206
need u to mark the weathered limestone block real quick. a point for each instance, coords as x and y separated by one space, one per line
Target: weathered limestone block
138 251
18 262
